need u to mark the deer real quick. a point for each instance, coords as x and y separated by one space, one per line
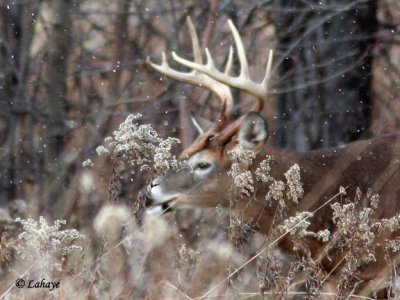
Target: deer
365 164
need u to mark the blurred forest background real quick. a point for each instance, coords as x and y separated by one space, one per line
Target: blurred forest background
71 71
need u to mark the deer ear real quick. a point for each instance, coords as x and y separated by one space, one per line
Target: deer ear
253 131
201 124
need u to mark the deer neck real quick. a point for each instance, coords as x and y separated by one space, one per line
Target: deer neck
256 209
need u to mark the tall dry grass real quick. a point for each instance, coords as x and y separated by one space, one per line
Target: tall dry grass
126 253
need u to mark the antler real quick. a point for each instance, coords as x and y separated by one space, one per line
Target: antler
243 81
198 78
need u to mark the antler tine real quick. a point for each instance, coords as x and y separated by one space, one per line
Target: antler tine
195 41
243 81
229 62
197 78
259 103
244 66
267 75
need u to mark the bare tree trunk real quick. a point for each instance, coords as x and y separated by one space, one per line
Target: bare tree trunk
56 92
121 34
59 49
326 57
16 32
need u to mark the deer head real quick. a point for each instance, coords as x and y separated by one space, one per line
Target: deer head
197 187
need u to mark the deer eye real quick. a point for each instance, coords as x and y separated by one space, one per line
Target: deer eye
202 166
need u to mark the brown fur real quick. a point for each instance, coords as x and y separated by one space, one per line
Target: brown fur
370 164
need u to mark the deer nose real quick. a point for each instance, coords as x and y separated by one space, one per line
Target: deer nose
153 207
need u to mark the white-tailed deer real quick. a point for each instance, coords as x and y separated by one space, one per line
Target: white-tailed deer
368 164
